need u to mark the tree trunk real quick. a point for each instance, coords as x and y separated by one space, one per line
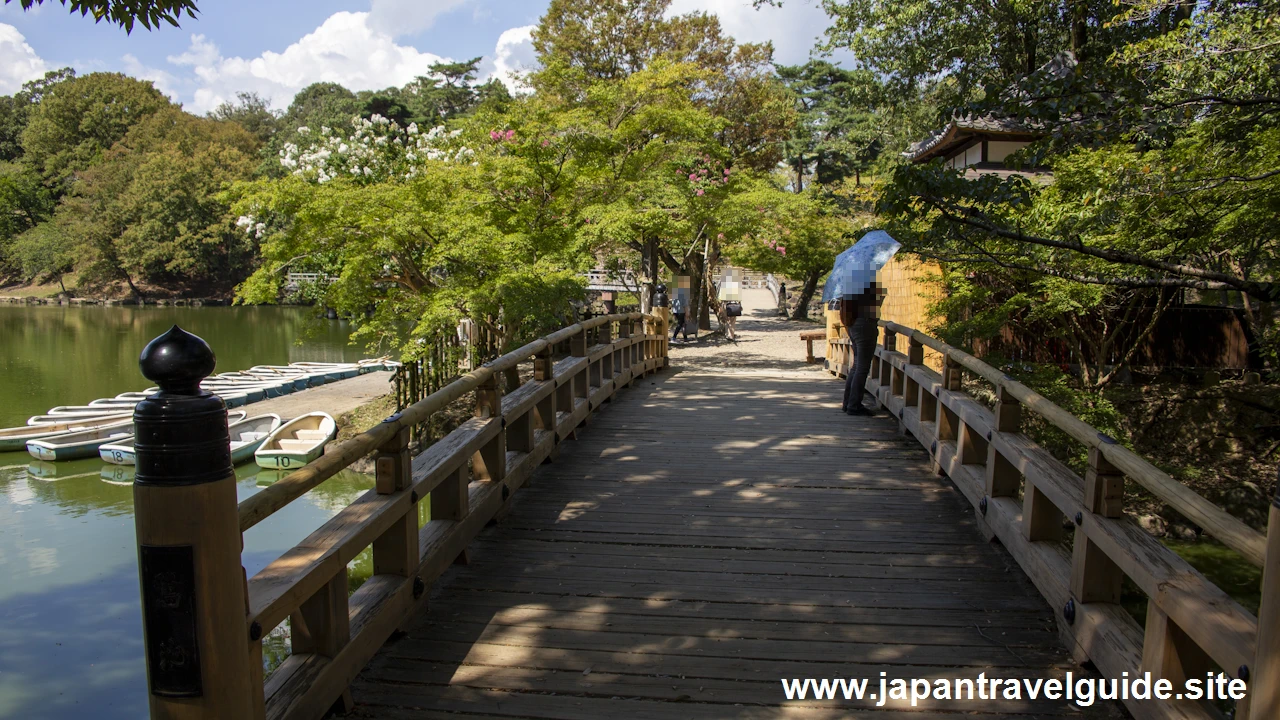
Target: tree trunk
134 288
806 294
1079 28
695 291
648 274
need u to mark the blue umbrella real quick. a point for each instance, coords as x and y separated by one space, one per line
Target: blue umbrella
855 269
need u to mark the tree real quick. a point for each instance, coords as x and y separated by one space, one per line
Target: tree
45 251
126 12
968 49
795 235
840 132
151 211
15 110
78 119
611 39
252 112
24 204
1166 159
426 226
719 108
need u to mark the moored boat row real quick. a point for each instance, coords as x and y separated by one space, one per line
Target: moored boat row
236 389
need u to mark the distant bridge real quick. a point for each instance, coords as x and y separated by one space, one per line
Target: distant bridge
605 281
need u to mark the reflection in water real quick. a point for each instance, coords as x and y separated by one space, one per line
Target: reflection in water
70 623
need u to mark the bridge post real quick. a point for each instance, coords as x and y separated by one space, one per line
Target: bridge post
1264 680
194 595
833 333
1094 576
886 367
664 343
1003 478
490 461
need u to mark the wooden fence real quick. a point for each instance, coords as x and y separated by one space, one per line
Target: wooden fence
468 477
1022 495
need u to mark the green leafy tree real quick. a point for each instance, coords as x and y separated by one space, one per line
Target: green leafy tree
15 110
794 235
46 251
840 132
252 112
151 212
126 12
611 39
78 119
24 203
1166 175
427 226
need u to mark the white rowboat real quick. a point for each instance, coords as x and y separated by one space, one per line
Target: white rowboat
297 442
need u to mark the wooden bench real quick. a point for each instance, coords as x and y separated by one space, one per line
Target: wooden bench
808 337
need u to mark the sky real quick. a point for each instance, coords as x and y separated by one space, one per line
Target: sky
277 47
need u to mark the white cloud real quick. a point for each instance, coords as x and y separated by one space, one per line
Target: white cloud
793 28
513 55
345 49
165 82
407 17
18 61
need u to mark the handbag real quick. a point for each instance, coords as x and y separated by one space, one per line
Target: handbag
733 309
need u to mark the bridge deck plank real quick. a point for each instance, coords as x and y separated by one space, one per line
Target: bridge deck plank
705 537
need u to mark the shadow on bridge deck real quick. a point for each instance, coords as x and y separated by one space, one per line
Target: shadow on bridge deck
707 536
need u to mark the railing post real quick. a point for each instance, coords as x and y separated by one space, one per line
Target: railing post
1094 576
194 597
1003 478
395 552
490 462
1264 681
911 388
833 333
664 343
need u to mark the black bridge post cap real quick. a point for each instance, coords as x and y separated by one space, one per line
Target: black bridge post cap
181 432
177 361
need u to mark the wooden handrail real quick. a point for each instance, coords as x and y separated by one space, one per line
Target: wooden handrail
1191 624
258 507
1229 530
468 476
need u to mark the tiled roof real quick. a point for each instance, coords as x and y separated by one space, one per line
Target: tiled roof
984 124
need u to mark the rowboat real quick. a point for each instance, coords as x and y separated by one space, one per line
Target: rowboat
91 410
16 438
249 435
121 451
75 445
117 400
87 421
297 442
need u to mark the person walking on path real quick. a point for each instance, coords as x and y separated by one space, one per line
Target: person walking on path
858 313
677 317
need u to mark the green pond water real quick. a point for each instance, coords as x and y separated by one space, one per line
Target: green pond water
70 621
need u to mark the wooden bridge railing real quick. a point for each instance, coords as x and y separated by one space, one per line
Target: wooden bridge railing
1022 494
469 477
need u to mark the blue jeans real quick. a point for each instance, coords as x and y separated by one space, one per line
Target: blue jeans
863 333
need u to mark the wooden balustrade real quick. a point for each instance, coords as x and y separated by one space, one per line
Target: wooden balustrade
1191 624
469 475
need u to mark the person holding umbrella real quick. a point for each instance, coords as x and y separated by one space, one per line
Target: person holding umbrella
859 313
853 284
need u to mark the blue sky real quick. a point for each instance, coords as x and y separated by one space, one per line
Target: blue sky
276 47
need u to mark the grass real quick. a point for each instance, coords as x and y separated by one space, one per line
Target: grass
29 290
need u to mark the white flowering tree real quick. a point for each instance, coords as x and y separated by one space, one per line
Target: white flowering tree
423 227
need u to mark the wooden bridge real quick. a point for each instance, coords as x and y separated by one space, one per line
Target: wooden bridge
696 539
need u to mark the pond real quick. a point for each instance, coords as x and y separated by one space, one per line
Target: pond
70 622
